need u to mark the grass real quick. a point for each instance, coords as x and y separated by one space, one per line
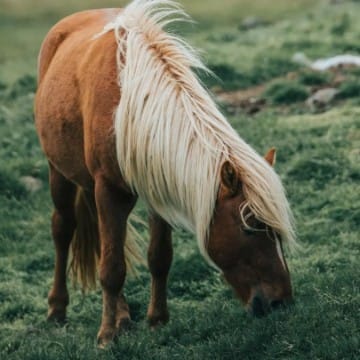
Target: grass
349 89
318 159
29 21
286 92
313 78
230 11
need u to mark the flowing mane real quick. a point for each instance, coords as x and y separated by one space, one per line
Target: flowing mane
171 139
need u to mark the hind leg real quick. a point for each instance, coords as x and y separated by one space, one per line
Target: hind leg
114 207
63 226
159 259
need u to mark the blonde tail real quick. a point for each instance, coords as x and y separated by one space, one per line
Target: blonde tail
85 245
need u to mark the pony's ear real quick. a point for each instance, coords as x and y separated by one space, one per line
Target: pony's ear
270 156
229 178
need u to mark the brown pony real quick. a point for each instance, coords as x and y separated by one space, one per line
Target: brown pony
120 115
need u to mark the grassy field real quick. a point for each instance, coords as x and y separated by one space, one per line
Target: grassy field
318 160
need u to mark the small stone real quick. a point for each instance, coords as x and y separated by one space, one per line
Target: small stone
301 59
321 98
31 184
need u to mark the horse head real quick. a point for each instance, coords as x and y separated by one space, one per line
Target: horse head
247 251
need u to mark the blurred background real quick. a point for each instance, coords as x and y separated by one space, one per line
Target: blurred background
24 23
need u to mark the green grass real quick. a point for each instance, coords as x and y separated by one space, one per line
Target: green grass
349 89
313 78
286 92
318 160
229 11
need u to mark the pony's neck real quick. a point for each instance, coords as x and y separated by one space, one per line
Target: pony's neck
171 139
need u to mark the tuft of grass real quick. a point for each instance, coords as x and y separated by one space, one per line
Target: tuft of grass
312 78
342 25
3 86
227 75
264 68
10 187
22 86
349 89
268 67
324 166
286 92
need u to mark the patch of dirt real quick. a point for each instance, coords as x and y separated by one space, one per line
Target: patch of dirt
251 100
245 100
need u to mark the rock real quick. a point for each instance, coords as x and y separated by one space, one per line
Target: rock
342 60
321 98
253 105
301 59
31 184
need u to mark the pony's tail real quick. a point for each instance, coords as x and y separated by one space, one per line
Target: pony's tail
85 245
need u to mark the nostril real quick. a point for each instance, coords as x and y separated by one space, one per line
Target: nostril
257 307
277 304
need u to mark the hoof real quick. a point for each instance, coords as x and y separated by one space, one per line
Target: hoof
124 324
105 337
156 320
57 316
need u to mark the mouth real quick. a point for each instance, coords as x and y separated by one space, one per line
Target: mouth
260 307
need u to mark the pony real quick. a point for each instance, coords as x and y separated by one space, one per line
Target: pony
122 115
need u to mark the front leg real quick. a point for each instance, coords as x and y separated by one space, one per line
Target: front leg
114 207
159 259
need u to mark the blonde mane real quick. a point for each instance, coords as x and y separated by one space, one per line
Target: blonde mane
171 139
